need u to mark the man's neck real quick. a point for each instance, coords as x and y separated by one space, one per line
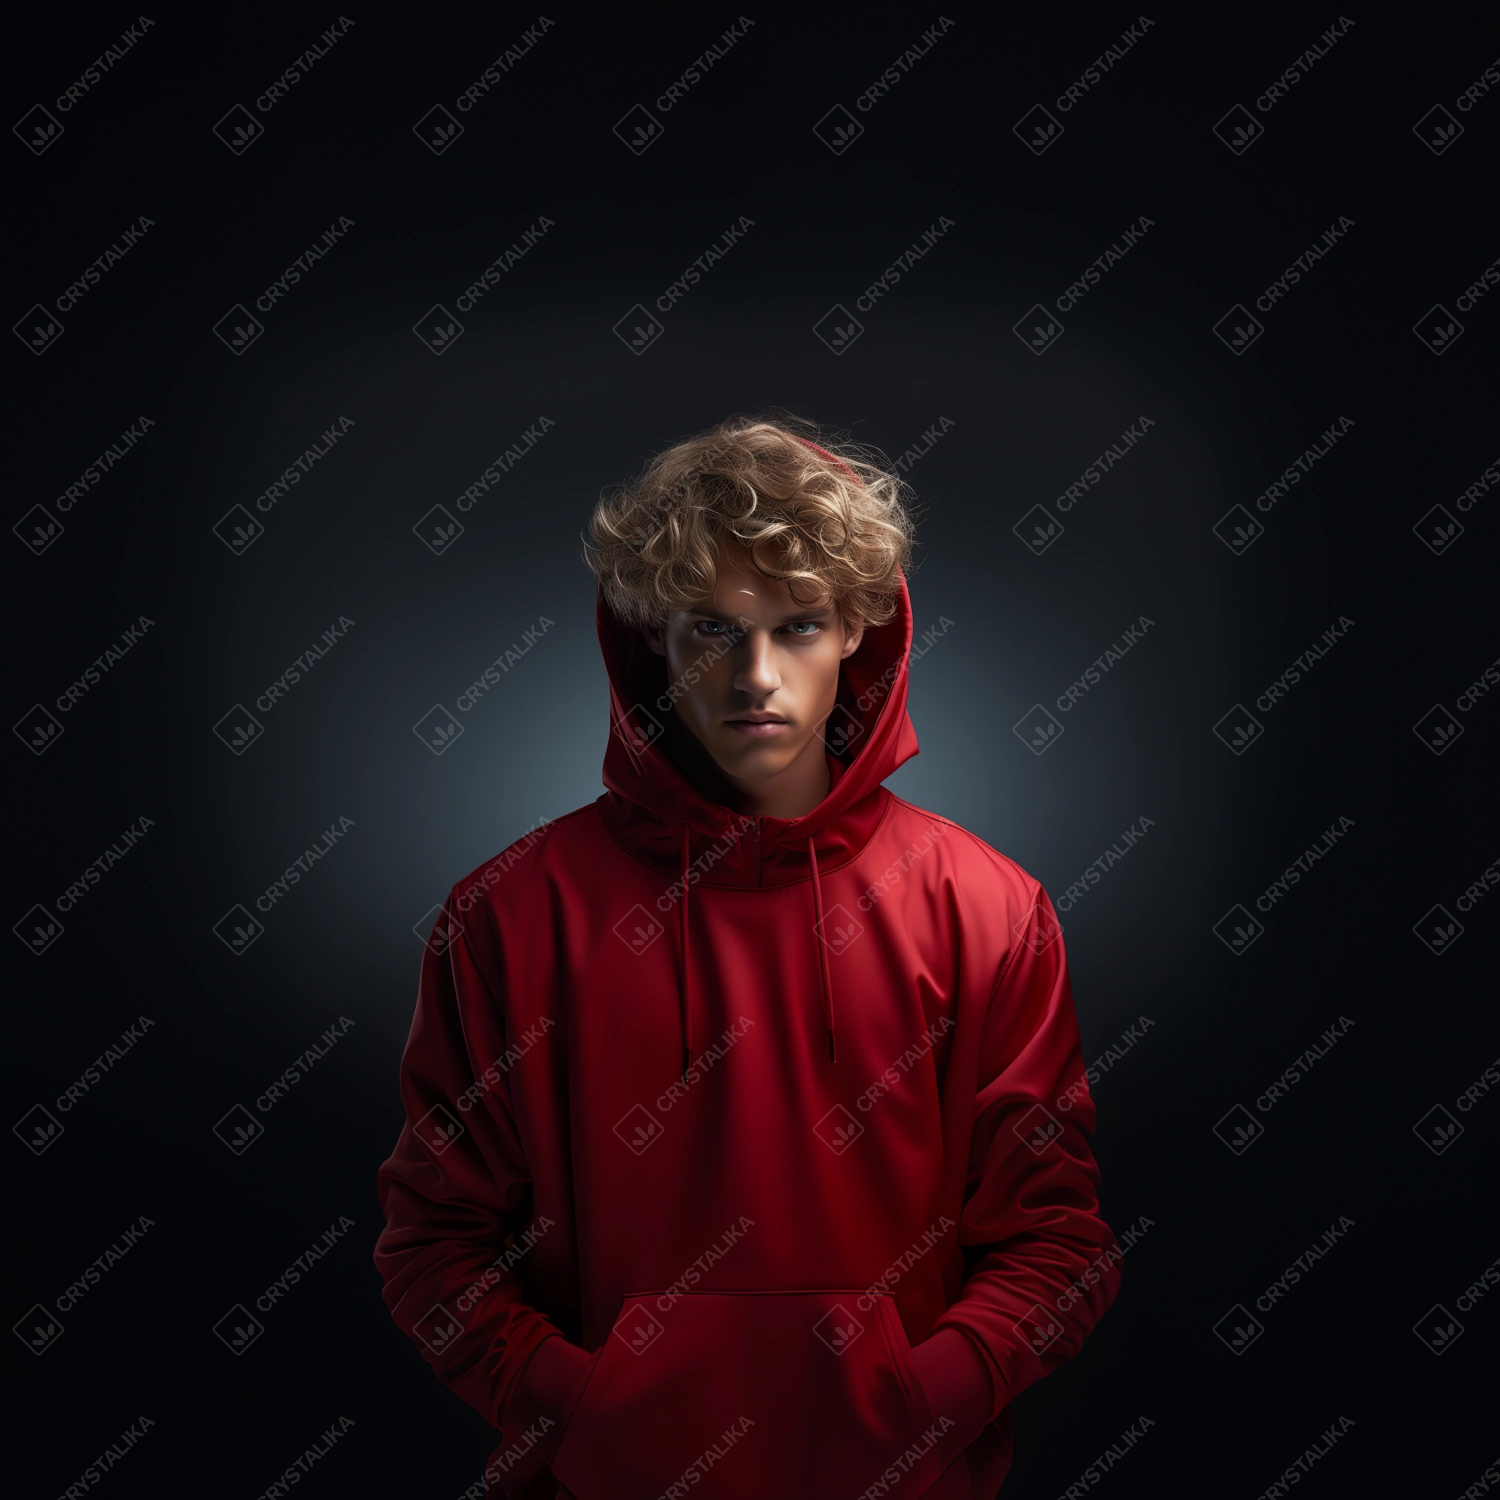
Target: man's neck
793 793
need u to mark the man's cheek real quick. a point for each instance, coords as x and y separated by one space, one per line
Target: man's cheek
693 690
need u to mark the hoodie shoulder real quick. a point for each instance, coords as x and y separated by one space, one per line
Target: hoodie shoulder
975 859
529 852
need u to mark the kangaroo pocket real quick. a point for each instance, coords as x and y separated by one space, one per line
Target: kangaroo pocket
734 1395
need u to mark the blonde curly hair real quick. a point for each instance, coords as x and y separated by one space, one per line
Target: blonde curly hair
840 525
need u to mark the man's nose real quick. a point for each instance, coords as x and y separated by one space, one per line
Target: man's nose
757 672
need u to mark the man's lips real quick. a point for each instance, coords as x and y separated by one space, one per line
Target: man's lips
758 725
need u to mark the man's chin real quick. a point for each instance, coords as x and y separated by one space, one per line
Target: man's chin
751 763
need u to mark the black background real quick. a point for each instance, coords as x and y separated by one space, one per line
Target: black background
1023 627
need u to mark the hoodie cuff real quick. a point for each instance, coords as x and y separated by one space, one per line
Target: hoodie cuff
549 1388
956 1382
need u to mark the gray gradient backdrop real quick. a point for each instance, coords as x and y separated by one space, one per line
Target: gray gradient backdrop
1348 1340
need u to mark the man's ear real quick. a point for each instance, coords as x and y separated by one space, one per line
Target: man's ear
656 638
853 635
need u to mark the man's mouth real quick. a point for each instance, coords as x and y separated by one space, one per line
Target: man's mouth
760 726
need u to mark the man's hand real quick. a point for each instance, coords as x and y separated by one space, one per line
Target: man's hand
957 1385
548 1387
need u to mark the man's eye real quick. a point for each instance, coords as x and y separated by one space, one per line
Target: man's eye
807 627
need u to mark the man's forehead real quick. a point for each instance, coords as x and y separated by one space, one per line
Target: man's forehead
736 593
740 588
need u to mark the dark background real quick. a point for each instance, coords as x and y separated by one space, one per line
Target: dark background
1023 627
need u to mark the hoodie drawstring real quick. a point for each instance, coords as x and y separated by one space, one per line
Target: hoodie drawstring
684 929
817 895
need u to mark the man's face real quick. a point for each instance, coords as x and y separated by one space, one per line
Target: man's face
754 672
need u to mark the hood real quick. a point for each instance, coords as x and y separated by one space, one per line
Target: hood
660 803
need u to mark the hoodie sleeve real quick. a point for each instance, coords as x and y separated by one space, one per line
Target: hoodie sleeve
1044 1265
456 1187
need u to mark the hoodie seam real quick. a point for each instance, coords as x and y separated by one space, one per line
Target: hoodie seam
1034 887
480 967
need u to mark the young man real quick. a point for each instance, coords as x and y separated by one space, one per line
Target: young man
747 1142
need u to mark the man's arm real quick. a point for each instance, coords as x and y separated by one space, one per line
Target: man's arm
452 1192
1045 1264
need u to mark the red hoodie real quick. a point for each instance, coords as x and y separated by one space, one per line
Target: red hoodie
746 1109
